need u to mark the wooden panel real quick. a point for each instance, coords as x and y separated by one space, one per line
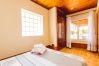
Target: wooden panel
69 6
79 45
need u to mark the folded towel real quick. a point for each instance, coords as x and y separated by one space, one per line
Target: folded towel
39 49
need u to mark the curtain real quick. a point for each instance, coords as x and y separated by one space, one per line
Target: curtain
97 18
68 43
92 36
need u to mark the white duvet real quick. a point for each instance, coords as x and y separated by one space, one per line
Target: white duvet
50 58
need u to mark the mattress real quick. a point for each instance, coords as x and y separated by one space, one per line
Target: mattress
49 58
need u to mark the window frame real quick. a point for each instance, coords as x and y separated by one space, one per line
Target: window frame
73 28
32 23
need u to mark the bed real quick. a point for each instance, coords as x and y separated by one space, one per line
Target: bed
49 58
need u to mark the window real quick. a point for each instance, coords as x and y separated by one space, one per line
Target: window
32 23
74 30
79 32
83 32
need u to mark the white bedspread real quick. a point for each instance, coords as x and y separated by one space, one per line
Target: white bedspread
10 62
50 58
63 59
55 58
33 60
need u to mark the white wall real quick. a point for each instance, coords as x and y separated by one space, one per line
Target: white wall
53 25
11 40
79 17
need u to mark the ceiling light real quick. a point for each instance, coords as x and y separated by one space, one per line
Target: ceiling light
72 8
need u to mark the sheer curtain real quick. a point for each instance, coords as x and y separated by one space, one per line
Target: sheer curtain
97 18
68 32
92 38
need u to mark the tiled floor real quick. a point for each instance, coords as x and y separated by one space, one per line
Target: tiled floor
92 59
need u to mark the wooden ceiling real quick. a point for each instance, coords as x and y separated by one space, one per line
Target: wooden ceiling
68 6
81 22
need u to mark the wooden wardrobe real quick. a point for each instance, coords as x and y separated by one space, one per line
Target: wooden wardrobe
61 28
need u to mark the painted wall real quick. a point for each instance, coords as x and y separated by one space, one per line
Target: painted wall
79 17
11 40
53 25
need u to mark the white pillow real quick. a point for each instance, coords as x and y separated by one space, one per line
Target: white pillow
39 49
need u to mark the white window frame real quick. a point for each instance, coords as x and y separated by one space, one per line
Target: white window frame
76 30
32 23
